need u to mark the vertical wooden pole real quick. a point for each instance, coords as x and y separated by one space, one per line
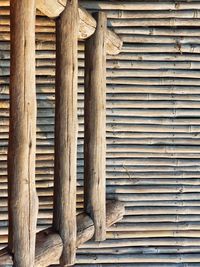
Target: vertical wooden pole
66 122
23 202
95 127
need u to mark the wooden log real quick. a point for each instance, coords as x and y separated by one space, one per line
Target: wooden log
87 23
113 43
115 177
49 244
52 8
95 127
66 121
23 202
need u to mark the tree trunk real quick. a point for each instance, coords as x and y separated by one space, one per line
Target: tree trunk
95 127
23 203
66 121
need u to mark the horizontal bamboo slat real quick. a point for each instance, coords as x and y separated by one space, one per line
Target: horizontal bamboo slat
141 5
153 134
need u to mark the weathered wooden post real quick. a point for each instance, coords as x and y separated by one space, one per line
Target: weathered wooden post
60 242
23 203
95 127
49 245
66 121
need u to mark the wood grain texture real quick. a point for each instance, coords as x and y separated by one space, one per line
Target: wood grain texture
66 122
95 127
87 24
23 204
153 133
49 244
51 8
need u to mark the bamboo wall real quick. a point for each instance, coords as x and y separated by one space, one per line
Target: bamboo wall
153 132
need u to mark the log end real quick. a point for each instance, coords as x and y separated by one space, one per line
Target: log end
113 43
50 8
115 211
87 24
5 258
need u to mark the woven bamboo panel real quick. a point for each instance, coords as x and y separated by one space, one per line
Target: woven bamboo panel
153 132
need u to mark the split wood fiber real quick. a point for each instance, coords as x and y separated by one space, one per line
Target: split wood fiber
23 203
95 127
49 244
66 121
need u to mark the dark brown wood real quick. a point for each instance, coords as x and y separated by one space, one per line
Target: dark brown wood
66 122
95 127
49 244
23 203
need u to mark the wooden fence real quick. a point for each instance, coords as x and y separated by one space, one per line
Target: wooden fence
152 132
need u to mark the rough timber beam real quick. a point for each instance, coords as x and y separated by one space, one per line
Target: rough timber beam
49 244
22 197
87 24
95 127
66 130
51 8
